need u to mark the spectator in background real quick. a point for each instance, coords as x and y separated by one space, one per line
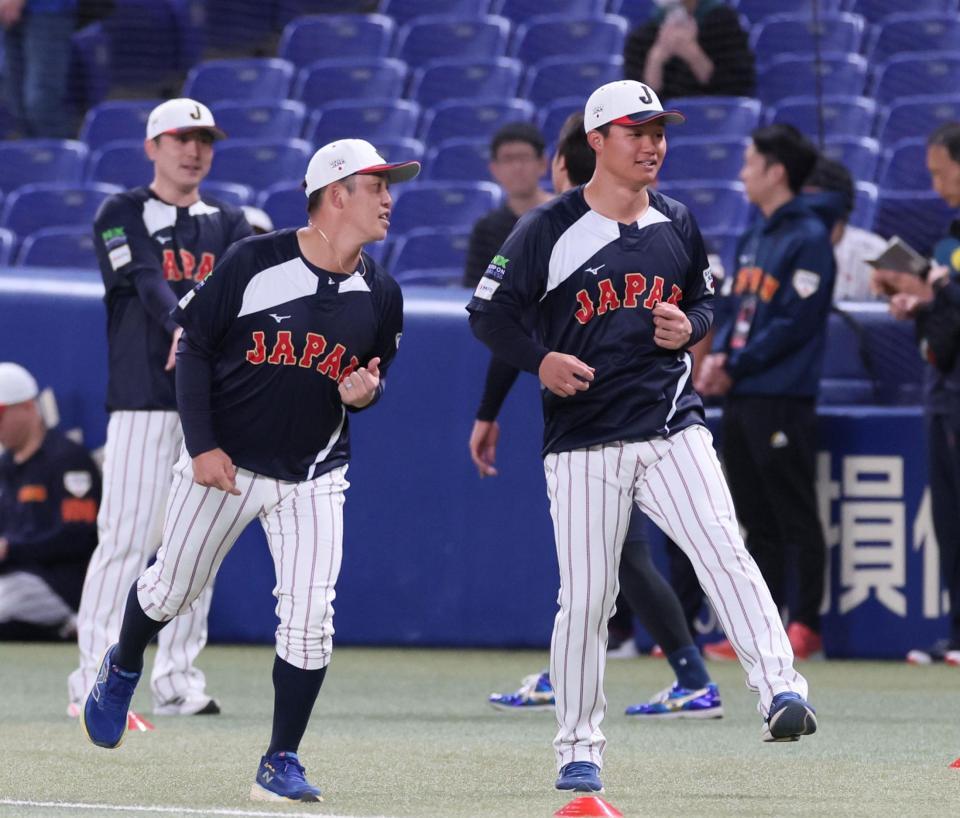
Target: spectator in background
37 43
49 493
517 163
935 304
691 48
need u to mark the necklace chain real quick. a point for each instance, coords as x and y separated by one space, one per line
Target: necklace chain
363 265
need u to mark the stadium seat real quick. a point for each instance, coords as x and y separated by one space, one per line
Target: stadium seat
519 11
240 27
558 77
793 76
260 79
190 18
280 119
877 10
700 158
7 242
33 207
90 70
860 155
838 116
261 163
636 11
372 119
306 39
865 205
844 378
920 218
717 206
59 247
120 119
904 166
904 74
28 161
800 34
431 277
551 117
478 119
459 160
441 204
287 10
757 10
142 40
350 79
719 116
558 35
400 149
923 32
285 204
228 192
440 36
122 163
403 11
428 247
917 116
441 80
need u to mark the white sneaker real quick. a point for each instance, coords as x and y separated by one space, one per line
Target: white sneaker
193 704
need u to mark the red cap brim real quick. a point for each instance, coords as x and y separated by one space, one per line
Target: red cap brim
643 117
212 129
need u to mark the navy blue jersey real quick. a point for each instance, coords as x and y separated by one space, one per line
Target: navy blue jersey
151 254
48 513
278 334
593 283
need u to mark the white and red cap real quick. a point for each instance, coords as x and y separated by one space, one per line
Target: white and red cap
345 157
626 102
16 385
179 116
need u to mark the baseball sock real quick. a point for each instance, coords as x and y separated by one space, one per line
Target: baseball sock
688 664
294 693
135 634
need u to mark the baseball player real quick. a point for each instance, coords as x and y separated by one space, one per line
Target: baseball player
294 331
619 279
154 243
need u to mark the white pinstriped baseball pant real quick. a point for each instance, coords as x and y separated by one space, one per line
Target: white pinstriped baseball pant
140 452
678 483
304 527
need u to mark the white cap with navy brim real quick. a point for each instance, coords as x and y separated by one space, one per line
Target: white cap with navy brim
345 157
626 102
179 116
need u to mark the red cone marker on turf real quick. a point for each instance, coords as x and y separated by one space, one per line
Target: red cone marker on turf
589 806
135 722
956 764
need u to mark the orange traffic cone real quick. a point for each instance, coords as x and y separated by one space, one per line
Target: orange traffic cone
956 764
589 806
135 722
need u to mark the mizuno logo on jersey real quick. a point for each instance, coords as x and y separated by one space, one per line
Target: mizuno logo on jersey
278 318
594 270
754 280
283 352
634 288
187 269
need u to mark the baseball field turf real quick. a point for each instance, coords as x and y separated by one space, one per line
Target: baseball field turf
403 733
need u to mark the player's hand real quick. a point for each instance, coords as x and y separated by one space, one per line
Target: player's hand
172 355
4 548
671 327
564 375
904 306
713 378
216 470
483 446
360 386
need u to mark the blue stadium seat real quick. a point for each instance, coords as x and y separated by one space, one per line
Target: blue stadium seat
551 117
400 149
429 247
865 205
904 166
350 79
839 116
7 243
860 155
844 378
439 36
257 79
459 160
636 11
558 35
119 119
33 207
917 116
287 10
876 10
919 217
372 119
441 204
285 204
559 77
27 161
142 39
700 158
190 17
359 35
479 119
228 192
59 247
440 80
519 11
260 163
240 27
717 206
279 119
923 32
905 74
794 76
122 163
799 34
719 116
91 74
403 11
757 10
431 277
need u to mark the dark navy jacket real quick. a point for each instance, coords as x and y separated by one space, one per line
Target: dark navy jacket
774 332
942 389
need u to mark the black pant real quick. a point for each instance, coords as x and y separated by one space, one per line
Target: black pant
769 450
943 433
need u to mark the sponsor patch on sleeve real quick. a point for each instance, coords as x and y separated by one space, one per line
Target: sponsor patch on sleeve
497 267
78 483
486 288
806 282
708 280
118 249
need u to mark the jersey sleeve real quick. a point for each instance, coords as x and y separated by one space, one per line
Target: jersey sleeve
698 290
389 302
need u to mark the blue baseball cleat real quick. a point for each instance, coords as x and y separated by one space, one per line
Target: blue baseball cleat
789 718
580 776
681 703
281 778
104 714
535 693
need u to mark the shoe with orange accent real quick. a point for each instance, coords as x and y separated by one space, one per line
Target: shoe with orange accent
721 651
804 640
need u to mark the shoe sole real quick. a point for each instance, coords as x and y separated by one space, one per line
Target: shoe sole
83 718
261 793
580 788
790 722
526 708
714 713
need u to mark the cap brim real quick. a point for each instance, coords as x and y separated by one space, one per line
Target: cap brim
396 172
216 132
643 117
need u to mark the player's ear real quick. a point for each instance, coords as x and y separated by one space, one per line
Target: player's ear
150 149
